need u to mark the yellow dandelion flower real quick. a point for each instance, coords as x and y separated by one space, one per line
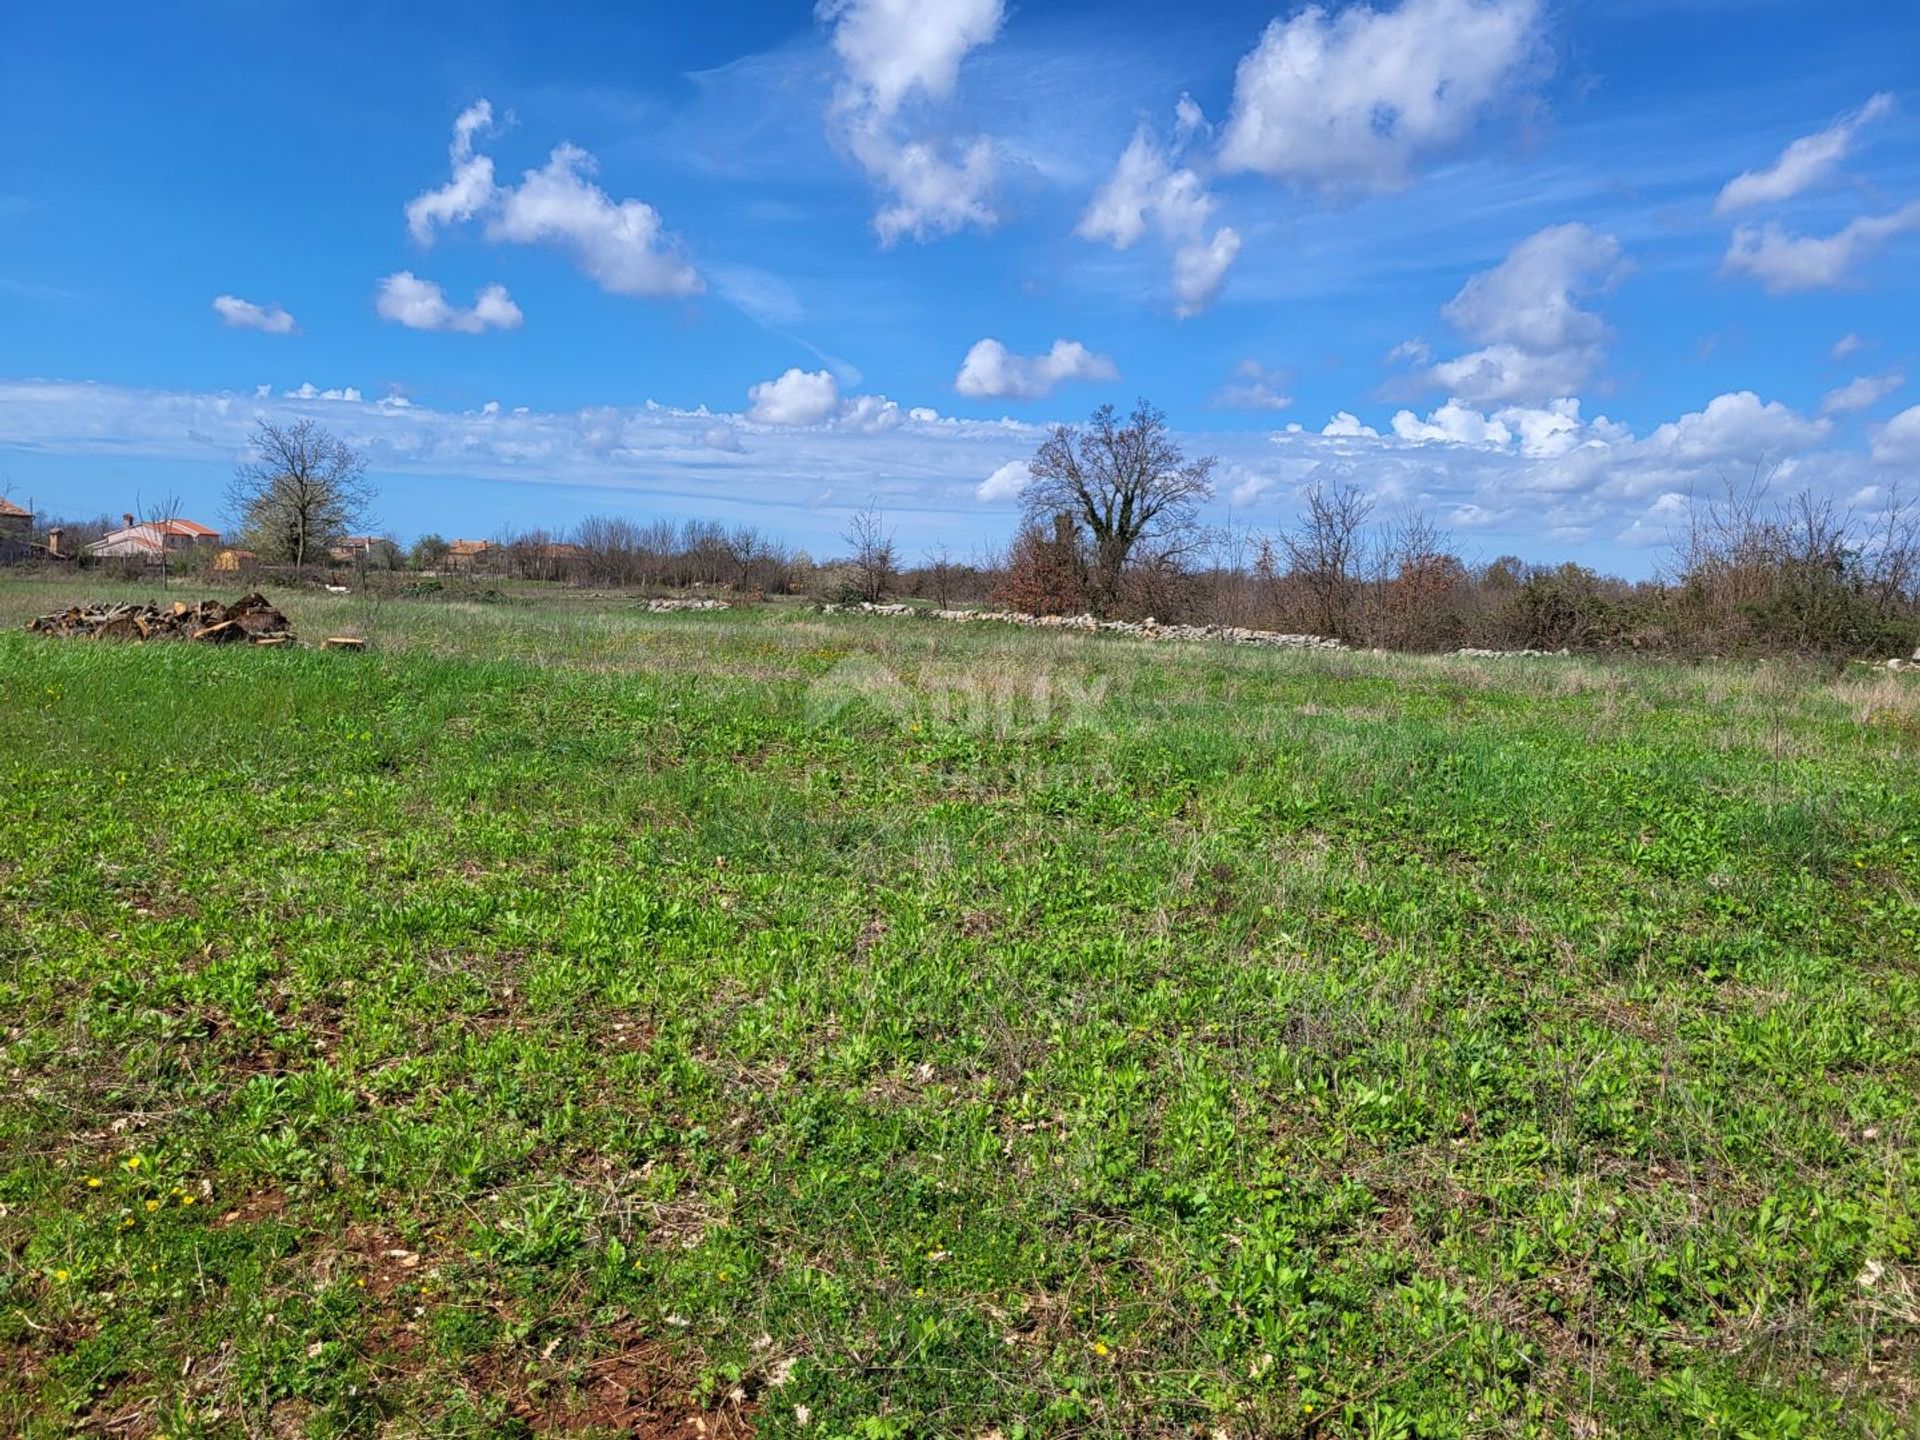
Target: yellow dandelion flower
94 1182
62 1276
153 1204
133 1162
1100 1348
186 1199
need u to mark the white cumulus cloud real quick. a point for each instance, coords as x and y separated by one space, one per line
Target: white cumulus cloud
1151 189
1785 262
1898 442
1739 426
245 315
1805 163
1345 425
991 371
619 244
1537 342
1538 432
470 188
1354 100
892 48
1005 483
893 51
406 299
798 397
1452 424
1200 269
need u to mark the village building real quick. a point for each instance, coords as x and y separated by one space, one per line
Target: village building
152 540
468 555
353 549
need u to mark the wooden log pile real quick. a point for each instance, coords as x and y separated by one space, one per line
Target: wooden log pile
250 620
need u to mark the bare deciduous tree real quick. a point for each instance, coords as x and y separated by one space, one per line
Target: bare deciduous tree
1418 595
1324 550
872 554
304 489
940 570
159 517
1127 481
744 547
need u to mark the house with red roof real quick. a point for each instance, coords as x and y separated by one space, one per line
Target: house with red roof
151 539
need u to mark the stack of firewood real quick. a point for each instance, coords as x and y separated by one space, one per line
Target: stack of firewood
250 620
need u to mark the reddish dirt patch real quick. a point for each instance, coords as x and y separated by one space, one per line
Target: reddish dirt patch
254 1209
871 935
380 1261
976 923
639 1389
626 1030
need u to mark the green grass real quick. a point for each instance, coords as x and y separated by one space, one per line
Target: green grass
561 1015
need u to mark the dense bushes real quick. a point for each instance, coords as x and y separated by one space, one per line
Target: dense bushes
1802 576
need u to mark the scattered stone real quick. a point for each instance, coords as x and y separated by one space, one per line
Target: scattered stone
1480 654
249 620
343 642
1148 629
665 607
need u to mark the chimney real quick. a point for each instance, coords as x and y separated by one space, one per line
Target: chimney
127 518
54 536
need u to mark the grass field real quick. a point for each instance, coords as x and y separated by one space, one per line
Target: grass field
562 1018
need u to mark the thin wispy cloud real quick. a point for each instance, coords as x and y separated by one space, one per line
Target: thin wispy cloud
241 314
1785 262
1809 161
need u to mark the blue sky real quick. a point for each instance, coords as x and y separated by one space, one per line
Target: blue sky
1541 269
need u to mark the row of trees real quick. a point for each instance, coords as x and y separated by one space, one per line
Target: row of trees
1112 525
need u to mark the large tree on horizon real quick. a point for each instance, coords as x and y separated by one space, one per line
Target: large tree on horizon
303 490
1127 481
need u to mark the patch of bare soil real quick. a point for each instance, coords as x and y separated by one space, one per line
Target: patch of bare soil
639 1388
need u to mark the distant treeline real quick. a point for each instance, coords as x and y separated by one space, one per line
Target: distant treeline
1748 574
